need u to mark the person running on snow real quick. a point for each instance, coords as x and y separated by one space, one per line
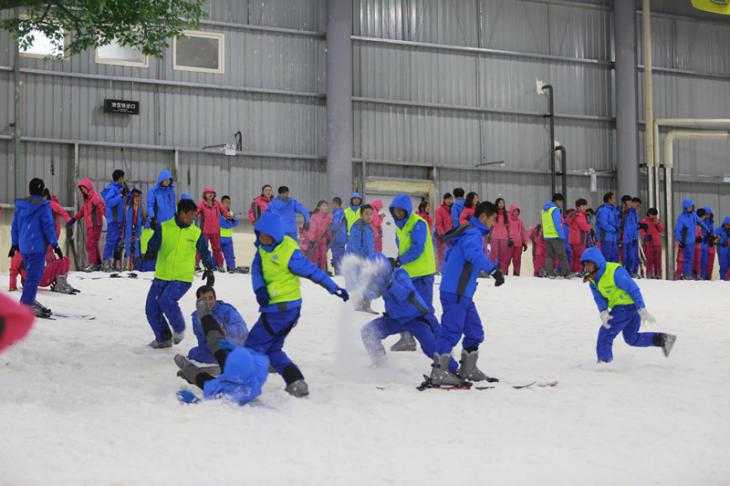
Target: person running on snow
405 311
443 226
232 324
260 203
320 230
516 243
32 232
457 207
174 243
92 211
338 240
275 274
579 236
686 235
464 261
377 223
722 234
115 200
285 208
621 307
554 236
227 223
415 256
651 229
161 200
133 231
209 211
243 371
608 225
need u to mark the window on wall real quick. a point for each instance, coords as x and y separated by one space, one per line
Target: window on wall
198 51
43 46
119 55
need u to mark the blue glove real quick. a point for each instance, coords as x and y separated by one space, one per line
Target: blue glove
186 396
226 345
342 294
262 296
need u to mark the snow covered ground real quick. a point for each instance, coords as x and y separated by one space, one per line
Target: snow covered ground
87 402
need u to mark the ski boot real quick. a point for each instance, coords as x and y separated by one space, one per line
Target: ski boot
468 369
40 311
93 267
60 286
298 388
107 266
188 371
405 343
665 341
440 374
155 344
177 337
69 286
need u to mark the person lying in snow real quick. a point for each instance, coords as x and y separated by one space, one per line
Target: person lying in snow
231 323
621 305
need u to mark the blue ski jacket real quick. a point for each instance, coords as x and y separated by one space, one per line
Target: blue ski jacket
608 222
722 233
114 202
161 205
362 239
465 259
456 209
621 277
242 378
557 221
631 226
300 265
233 326
227 223
685 231
709 230
128 231
402 301
286 208
339 225
33 228
418 235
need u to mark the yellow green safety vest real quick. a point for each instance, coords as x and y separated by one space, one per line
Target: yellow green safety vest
176 258
351 216
548 225
607 287
144 239
282 284
227 232
424 264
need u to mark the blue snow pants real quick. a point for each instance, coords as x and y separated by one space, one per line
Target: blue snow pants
689 260
459 318
723 257
378 329
704 256
267 336
610 251
338 251
228 254
113 234
624 319
631 257
162 307
35 264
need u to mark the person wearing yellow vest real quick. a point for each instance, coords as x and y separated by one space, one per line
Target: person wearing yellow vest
275 273
621 306
227 225
352 214
554 236
415 255
174 243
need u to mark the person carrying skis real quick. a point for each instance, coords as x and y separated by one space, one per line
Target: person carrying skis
621 306
319 233
227 223
161 200
32 232
608 225
209 211
464 261
286 208
260 203
338 239
275 273
174 244
92 211
115 201
443 226
133 231
232 324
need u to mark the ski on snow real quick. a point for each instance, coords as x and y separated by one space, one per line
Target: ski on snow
468 385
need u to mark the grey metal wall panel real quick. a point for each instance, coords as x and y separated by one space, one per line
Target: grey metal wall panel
7 182
579 32
50 162
443 21
379 18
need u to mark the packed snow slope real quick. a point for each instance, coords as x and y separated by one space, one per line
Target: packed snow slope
86 402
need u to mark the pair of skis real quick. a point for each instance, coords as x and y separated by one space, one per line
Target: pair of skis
427 384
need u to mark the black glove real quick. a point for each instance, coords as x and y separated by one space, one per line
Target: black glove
524 247
510 243
305 227
681 245
70 224
342 294
209 277
12 251
698 239
643 226
150 255
262 296
57 250
393 262
593 234
498 278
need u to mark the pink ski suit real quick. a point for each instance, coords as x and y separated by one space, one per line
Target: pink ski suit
377 224
320 230
210 224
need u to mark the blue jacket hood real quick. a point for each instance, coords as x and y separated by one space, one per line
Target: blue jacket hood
687 203
726 221
165 174
270 224
187 196
27 209
594 255
708 210
401 201
549 205
243 365
355 195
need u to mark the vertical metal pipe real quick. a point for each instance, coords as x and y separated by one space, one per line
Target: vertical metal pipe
564 172
657 164
339 96
17 168
75 171
551 114
627 139
670 223
648 101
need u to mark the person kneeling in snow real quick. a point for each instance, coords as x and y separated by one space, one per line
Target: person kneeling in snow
405 311
621 306
233 326
243 371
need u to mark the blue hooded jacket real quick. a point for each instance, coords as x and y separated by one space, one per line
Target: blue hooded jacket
129 222
340 225
557 221
465 259
33 228
270 224
456 209
709 230
161 205
114 202
353 196
621 277
242 379
418 234
631 226
286 208
608 222
232 323
362 239
685 232
227 223
723 233
402 301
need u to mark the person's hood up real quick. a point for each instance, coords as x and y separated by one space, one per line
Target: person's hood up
594 255
187 196
512 208
687 203
708 210
244 365
28 207
164 175
86 183
401 201
377 204
353 196
272 225
208 189
726 221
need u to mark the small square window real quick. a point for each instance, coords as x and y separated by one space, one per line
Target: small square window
119 55
198 51
44 47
